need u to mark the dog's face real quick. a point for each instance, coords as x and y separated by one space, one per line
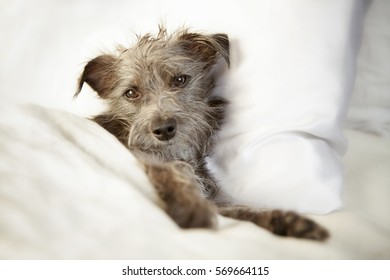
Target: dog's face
159 93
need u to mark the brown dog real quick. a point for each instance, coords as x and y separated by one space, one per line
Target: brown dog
162 107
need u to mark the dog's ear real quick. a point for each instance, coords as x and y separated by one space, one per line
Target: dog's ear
221 43
100 74
207 47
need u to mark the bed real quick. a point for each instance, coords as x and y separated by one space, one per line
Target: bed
70 190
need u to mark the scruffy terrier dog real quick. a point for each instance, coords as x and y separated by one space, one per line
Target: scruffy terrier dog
162 107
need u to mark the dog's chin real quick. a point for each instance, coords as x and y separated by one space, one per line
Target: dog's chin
165 152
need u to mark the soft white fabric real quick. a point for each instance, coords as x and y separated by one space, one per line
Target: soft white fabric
292 70
282 143
70 190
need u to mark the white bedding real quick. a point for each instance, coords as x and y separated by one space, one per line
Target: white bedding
68 189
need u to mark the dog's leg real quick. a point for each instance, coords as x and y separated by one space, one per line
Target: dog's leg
177 187
285 223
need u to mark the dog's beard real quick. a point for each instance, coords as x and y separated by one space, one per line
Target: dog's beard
174 149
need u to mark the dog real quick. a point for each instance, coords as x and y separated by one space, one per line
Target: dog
161 106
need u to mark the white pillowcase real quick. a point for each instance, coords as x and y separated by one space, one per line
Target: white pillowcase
289 92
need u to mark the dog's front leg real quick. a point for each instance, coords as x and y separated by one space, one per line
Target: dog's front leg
285 223
176 184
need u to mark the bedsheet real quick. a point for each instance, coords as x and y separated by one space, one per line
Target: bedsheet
70 190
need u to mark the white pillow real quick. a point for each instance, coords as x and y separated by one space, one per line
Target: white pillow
289 92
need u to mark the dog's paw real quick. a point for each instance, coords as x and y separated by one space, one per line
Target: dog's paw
295 225
278 222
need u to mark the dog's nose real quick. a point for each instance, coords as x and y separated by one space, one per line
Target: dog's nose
164 129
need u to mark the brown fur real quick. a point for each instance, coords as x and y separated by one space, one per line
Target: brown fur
163 108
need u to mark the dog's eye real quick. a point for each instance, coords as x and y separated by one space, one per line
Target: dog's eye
131 94
180 80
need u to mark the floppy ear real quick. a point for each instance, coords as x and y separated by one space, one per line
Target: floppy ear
100 74
207 47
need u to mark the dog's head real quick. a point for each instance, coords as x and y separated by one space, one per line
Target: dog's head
159 93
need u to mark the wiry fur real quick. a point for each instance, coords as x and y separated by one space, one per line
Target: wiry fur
170 124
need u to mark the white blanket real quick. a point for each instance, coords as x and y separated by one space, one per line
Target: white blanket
68 189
